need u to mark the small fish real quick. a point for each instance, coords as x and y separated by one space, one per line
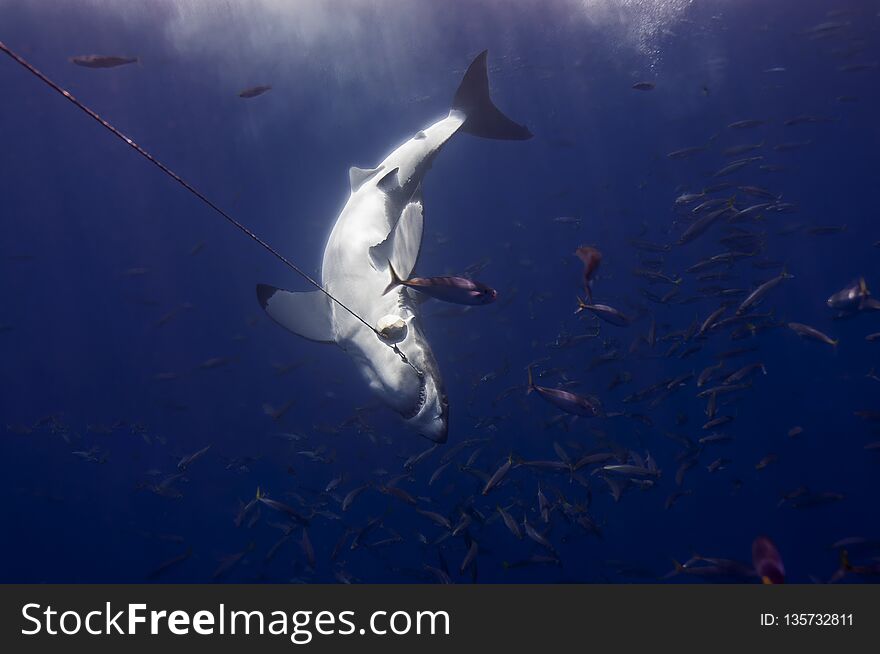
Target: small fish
732 167
767 561
282 508
631 470
470 557
643 86
744 373
533 533
254 91
510 523
214 362
791 146
333 484
702 224
708 373
439 471
686 152
229 562
363 532
591 258
758 192
766 461
567 401
718 422
352 496
723 388
543 506
711 320
187 461
436 518
457 290
307 548
737 150
761 292
605 312
718 464
715 437
710 204
399 493
102 61
416 459
746 124
805 331
648 246
499 475
799 120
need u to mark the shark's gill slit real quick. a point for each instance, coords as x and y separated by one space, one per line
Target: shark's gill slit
189 187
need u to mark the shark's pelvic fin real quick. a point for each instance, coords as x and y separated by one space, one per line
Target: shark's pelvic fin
358 176
401 246
304 314
482 117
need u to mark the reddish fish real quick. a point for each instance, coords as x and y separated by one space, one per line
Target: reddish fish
591 258
767 561
458 290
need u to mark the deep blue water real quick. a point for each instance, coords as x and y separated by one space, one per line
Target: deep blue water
101 292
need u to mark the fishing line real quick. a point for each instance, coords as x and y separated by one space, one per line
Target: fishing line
189 187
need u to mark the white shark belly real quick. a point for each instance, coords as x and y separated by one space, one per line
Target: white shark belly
349 275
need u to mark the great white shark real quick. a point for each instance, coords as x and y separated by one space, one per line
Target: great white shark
382 225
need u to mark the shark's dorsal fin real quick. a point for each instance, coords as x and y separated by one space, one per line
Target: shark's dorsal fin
304 314
401 246
357 176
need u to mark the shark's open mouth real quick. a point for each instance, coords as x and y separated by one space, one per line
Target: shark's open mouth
423 396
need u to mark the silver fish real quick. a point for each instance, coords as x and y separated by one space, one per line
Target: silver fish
761 292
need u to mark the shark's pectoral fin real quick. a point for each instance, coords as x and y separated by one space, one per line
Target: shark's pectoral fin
401 246
358 176
304 314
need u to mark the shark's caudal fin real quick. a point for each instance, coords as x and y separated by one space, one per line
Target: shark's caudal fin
482 117
304 314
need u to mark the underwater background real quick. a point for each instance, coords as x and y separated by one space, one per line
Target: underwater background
131 336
